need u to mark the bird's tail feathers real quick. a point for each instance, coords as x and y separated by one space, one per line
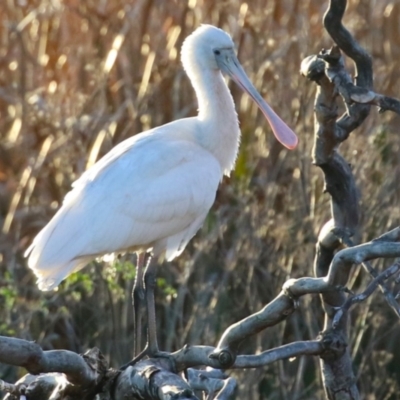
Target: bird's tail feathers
55 252
50 278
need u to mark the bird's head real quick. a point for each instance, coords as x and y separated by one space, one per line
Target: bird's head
209 47
204 45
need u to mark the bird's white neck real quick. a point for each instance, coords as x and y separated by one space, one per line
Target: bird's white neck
219 126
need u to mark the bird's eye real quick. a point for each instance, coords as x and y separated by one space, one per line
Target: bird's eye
217 52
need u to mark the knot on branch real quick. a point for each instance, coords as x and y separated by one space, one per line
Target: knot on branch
95 360
334 344
104 376
293 289
333 56
226 357
313 68
328 237
344 235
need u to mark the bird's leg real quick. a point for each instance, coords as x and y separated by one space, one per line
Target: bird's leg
150 283
138 300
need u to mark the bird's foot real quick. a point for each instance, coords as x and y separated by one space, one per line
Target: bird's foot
146 352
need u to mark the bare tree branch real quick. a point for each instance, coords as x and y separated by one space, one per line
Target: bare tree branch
344 39
211 381
152 379
191 356
31 356
328 70
361 253
44 386
366 293
158 379
330 64
356 113
390 298
89 374
338 377
11 388
393 235
295 349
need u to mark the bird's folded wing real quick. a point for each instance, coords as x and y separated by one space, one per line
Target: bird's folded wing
144 191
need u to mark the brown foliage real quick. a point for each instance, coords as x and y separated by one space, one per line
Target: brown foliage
77 77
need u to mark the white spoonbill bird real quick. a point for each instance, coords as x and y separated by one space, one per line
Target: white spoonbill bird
152 192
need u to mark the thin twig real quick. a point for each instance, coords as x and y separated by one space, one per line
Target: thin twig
366 293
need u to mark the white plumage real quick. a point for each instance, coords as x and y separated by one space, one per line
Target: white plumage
153 191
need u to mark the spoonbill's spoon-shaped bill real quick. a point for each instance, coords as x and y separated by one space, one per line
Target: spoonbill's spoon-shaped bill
229 64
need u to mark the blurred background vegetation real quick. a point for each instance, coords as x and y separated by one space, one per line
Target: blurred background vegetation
77 77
